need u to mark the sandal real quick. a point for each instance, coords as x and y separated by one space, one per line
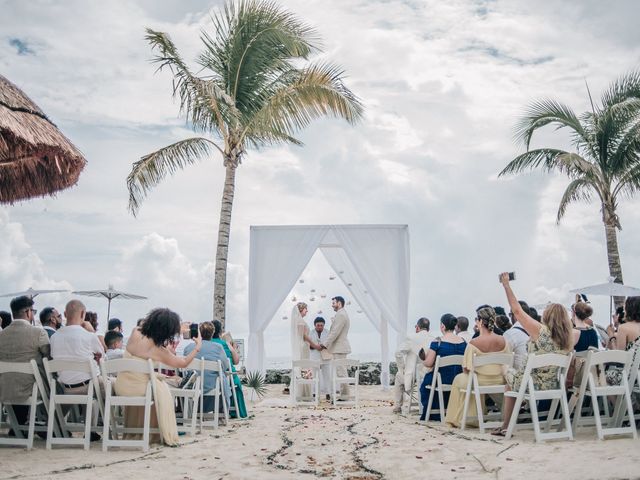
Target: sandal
499 432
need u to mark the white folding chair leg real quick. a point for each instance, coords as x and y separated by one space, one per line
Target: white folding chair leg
466 402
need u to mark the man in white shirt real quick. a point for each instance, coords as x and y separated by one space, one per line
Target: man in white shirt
462 329
413 366
518 339
319 335
73 342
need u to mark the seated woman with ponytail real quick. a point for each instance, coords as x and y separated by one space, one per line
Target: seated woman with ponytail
487 342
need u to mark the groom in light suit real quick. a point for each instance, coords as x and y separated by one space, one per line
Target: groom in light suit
337 342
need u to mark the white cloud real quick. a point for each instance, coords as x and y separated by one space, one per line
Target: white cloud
443 83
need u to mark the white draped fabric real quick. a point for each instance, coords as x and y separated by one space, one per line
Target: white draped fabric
372 260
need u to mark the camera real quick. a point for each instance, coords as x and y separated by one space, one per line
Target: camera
193 330
512 276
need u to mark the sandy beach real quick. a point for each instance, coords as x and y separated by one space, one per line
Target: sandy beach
346 443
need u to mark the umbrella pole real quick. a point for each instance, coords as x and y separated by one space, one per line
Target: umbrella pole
610 309
108 309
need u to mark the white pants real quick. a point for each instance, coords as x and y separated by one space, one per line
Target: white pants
325 379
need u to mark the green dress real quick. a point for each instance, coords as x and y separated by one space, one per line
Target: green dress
242 409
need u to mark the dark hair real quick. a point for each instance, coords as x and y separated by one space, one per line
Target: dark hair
92 318
499 310
206 330
503 323
140 322
620 314
114 323
339 299
20 303
112 337
319 320
423 323
449 321
529 310
217 328
463 324
632 309
6 319
583 310
45 316
161 325
533 313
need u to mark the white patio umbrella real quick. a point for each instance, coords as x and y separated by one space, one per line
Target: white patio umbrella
609 289
110 293
30 292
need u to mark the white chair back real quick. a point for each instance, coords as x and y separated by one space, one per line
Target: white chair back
557 395
437 386
110 370
52 368
26 368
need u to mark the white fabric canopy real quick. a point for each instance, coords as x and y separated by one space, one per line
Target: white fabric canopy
372 260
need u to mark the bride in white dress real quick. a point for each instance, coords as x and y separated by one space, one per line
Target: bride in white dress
300 342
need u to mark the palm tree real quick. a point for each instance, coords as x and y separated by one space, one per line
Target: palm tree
256 87
606 160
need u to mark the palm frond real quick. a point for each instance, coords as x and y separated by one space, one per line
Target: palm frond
204 102
149 171
623 88
256 381
578 189
629 182
253 40
546 158
301 97
626 151
545 112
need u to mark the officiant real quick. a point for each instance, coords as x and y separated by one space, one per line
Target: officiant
319 335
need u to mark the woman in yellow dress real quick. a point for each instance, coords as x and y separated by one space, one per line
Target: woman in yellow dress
150 341
486 343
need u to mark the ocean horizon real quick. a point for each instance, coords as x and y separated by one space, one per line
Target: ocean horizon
280 363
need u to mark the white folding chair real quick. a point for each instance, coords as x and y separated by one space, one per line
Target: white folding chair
590 388
438 386
35 399
52 368
474 388
186 396
298 381
217 392
557 395
110 370
337 381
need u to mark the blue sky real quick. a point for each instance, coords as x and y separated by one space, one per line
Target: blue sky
443 84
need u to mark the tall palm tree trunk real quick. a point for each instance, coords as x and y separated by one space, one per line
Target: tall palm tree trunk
222 251
613 253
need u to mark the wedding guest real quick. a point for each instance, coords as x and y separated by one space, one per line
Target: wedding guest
115 325
462 329
413 350
584 335
234 358
6 319
448 344
518 339
73 342
114 341
625 336
487 342
552 335
51 320
503 323
150 341
214 352
20 341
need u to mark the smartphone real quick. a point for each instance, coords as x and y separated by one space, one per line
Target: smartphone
193 330
512 276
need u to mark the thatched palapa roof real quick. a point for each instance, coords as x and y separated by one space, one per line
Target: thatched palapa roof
36 159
